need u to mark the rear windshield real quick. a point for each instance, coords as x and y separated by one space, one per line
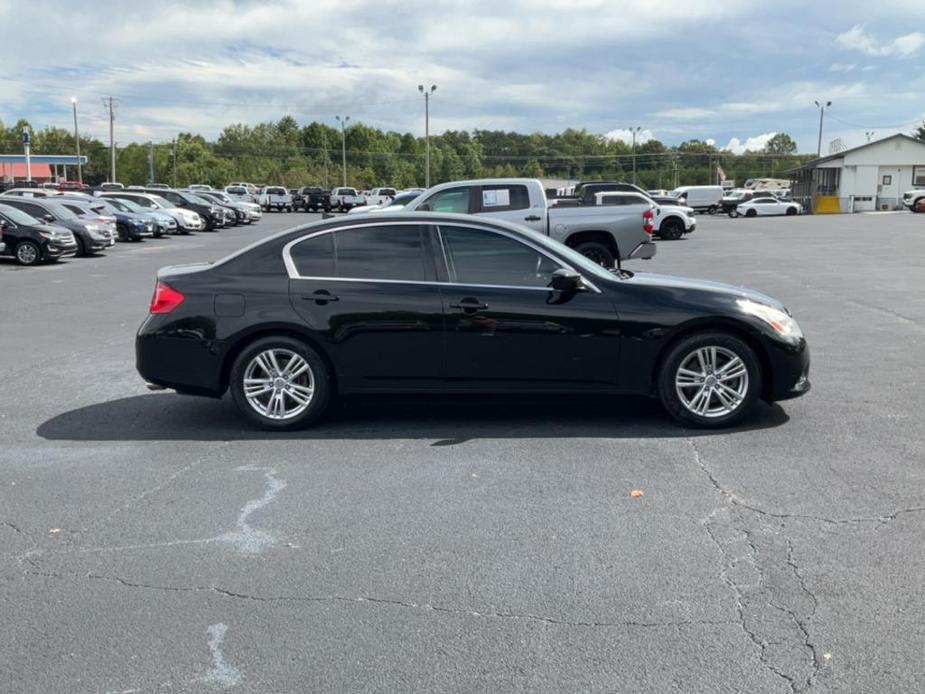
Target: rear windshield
276 191
346 191
237 191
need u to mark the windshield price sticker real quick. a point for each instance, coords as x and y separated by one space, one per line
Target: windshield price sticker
496 198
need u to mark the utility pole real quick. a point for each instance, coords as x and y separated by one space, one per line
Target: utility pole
427 93
27 150
343 143
80 175
173 152
634 131
150 162
821 116
111 105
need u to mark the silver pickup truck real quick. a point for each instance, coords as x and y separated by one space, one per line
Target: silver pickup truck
603 234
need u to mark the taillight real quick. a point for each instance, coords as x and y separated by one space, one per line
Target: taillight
648 222
165 299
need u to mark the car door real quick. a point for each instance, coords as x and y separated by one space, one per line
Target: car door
511 202
369 292
507 330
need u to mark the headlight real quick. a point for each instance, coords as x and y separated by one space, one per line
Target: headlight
781 322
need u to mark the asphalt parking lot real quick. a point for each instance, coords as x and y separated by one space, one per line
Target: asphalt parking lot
151 542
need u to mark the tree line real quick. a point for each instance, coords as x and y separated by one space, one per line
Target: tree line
285 153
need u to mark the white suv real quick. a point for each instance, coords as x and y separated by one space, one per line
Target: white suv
913 196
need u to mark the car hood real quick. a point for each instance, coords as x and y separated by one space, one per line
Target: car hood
670 282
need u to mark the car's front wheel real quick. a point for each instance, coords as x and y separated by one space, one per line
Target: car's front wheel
751 213
792 211
280 383
710 380
28 253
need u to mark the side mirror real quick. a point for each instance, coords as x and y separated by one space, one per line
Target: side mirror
3 224
565 280
48 217
423 207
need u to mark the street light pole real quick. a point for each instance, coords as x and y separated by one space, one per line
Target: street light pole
427 93
343 143
80 175
634 131
821 115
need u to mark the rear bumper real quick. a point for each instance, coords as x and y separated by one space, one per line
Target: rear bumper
185 364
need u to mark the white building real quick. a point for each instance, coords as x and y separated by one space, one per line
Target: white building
870 177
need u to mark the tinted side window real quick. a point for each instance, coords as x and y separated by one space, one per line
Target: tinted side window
452 200
386 253
499 198
34 210
314 257
482 257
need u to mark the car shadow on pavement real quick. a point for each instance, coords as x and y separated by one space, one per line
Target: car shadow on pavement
446 420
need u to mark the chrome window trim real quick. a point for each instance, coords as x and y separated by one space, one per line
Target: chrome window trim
293 272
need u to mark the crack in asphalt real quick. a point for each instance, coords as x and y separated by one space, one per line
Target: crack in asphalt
763 593
361 599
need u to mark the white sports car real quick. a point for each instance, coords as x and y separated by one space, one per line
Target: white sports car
766 206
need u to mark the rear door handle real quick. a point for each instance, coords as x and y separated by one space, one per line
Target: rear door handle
532 218
322 296
470 305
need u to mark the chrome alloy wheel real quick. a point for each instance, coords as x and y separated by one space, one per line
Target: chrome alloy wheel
712 381
27 254
279 384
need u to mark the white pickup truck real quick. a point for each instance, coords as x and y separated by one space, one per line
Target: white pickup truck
381 196
344 199
911 197
275 198
604 234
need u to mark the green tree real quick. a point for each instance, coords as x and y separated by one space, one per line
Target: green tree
780 144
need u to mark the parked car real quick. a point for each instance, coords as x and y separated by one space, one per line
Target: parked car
275 198
701 198
231 215
72 185
296 198
732 198
344 199
381 196
604 234
110 185
212 214
158 186
671 221
455 303
91 237
240 194
767 206
197 187
187 220
128 226
585 192
397 203
315 198
30 240
911 198
25 192
163 222
249 211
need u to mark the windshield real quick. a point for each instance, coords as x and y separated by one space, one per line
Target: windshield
220 196
17 216
195 199
403 199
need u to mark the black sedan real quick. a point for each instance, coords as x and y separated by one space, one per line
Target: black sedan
444 303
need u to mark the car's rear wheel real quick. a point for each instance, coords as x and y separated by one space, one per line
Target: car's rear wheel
280 383
598 252
28 253
710 380
671 229
751 213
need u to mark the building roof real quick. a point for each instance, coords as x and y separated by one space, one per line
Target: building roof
839 155
19 170
67 159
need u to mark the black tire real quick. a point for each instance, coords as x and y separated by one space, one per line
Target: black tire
598 252
751 213
28 253
915 204
321 378
712 209
671 229
681 352
82 249
791 211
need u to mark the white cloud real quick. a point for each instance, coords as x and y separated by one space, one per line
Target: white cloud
857 39
842 67
626 135
751 144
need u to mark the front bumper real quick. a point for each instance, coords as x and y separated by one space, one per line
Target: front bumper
789 370
56 249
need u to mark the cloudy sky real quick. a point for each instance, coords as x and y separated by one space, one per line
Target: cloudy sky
731 71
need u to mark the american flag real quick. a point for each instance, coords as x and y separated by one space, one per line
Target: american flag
721 173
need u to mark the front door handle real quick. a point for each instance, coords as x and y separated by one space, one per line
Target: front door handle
321 297
532 218
470 305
